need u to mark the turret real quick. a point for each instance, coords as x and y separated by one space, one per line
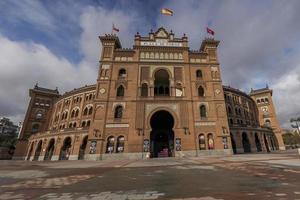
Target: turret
267 114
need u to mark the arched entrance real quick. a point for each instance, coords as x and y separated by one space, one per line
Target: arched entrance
161 83
50 149
38 151
257 143
30 151
65 149
272 143
162 135
233 143
246 143
82 148
266 143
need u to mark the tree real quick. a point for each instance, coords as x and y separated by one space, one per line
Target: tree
296 123
291 140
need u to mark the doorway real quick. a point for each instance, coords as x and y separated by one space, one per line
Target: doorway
162 135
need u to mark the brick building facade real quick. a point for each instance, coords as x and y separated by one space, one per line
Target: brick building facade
156 99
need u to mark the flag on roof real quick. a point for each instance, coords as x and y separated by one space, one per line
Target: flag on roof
115 28
166 11
210 31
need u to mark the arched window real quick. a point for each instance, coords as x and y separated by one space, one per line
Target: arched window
118 112
266 100
85 111
35 128
90 110
267 122
231 121
90 96
39 114
83 124
122 73
236 111
202 111
210 141
229 110
144 91
199 74
73 113
200 91
161 83
202 145
88 123
70 125
110 144
120 91
258 100
74 125
66 115
77 113
120 144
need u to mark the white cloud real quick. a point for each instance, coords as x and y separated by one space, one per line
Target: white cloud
33 12
286 96
254 37
24 63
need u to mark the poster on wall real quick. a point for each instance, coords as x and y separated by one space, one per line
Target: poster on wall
146 145
225 143
178 144
93 147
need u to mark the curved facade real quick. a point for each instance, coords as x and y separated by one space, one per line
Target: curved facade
158 99
246 133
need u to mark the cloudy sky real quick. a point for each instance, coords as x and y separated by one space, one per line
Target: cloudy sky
55 43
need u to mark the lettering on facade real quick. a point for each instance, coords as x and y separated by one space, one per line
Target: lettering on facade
117 125
161 42
205 123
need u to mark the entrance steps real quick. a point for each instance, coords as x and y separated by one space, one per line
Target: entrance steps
163 153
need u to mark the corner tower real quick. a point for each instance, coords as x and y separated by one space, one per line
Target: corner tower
37 118
267 113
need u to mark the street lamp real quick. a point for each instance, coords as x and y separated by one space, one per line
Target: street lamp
296 124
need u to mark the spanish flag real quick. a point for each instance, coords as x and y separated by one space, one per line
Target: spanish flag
210 31
166 11
115 28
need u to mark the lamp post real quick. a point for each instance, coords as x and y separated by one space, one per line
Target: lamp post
296 124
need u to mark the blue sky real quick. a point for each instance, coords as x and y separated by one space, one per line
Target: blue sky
40 40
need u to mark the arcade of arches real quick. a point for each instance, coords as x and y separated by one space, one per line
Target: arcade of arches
157 99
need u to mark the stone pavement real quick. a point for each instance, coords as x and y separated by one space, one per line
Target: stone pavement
273 176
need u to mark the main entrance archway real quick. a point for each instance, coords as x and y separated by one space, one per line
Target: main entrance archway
162 135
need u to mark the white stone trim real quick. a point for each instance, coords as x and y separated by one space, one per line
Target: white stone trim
197 124
117 125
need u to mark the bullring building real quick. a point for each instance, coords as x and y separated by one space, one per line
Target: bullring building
156 99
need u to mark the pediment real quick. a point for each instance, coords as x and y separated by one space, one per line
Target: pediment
162 33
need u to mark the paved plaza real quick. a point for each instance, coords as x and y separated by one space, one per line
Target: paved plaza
273 176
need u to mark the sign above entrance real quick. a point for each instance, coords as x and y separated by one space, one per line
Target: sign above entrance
161 42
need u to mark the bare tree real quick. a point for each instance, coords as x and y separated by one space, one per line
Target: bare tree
296 123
